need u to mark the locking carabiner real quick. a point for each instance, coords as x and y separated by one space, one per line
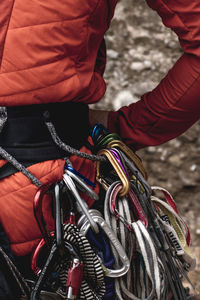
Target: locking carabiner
84 226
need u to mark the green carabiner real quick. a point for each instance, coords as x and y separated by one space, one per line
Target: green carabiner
107 139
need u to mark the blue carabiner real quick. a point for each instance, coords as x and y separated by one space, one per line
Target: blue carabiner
98 130
85 179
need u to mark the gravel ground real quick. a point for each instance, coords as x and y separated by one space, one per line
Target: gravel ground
140 52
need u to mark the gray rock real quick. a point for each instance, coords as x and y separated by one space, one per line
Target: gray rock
112 54
123 98
140 66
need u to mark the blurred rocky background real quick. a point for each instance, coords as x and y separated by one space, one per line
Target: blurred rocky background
140 52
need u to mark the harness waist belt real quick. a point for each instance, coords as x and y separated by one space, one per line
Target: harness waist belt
26 137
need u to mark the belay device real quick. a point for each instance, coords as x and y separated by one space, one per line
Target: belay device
136 247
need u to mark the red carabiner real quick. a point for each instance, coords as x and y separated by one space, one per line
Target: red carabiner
38 213
35 256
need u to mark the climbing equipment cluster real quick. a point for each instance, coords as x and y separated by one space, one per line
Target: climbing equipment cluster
136 247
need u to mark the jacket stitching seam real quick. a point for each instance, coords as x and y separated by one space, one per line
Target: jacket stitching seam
87 34
33 67
30 184
41 24
37 89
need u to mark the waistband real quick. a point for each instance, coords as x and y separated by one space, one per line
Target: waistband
26 137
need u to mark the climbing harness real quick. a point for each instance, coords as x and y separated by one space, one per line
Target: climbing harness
136 248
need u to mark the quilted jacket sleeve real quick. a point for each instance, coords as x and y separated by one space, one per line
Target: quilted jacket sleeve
174 105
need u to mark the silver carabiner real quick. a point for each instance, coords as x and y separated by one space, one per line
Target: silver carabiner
80 202
82 184
84 226
83 221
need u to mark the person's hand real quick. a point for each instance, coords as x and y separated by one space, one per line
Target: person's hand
98 116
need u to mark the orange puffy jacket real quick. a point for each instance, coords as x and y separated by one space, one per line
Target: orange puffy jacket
53 51
50 51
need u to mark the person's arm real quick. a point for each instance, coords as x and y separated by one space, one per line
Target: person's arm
174 105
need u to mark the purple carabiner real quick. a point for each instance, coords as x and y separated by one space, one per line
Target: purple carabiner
117 157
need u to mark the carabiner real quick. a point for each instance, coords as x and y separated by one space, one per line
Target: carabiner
111 196
85 179
47 236
82 185
82 205
118 158
58 221
137 173
132 156
169 199
98 131
38 285
84 226
82 220
34 259
118 169
104 141
37 208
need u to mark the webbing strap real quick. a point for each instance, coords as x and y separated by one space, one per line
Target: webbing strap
176 230
169 199
10 158
143 241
